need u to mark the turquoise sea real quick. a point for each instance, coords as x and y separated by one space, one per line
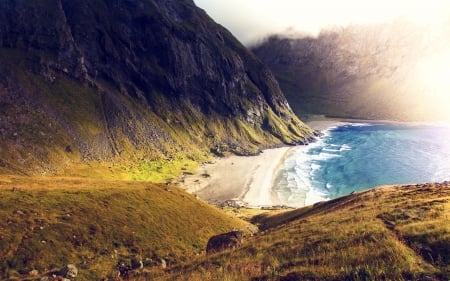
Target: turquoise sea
357 156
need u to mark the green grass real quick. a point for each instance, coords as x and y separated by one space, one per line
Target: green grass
112 136
65 126
289 133
162 171
50 222
389 233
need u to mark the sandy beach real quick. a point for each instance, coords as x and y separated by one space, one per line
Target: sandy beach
244 179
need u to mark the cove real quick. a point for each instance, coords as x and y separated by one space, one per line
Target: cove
358 156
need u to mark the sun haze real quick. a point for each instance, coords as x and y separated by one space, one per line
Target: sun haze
252 20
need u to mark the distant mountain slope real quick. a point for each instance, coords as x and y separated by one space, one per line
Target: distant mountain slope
129 81
363 71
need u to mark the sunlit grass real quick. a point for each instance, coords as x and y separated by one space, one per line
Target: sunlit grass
390 233
50 222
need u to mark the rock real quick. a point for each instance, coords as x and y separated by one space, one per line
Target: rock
229 240
163 264
69 271
34 272
234 204
136 264
123 269
317 133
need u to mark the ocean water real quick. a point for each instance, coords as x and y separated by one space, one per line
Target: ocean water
358 156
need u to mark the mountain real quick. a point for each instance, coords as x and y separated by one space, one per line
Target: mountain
382 71
94 86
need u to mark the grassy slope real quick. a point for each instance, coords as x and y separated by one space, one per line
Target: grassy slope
389 233
76 117
50 222
134 143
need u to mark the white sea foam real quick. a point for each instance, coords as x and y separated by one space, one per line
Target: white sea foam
345 147
360 124
352 159
324 156
294 186
315 167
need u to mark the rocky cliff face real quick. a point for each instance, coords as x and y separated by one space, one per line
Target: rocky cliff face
136 79
366 71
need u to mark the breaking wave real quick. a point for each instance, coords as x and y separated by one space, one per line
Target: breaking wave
358 156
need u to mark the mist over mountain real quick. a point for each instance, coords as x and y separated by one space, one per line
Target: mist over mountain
381 71
129 80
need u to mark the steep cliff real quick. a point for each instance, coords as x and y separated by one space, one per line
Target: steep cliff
364 71
129 81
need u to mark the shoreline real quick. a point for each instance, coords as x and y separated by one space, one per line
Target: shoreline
248 181
244 180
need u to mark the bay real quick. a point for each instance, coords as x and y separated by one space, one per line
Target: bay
358 156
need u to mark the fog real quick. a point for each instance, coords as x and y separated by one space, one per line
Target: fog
252 20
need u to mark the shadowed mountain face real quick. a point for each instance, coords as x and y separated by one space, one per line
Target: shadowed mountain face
130 79
372 71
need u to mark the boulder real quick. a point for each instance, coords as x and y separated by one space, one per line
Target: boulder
69 271
136 263
224 241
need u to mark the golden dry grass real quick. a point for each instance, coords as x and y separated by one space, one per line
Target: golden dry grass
388 233
48 222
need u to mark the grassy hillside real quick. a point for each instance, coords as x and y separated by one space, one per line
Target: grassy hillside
388 233
48 223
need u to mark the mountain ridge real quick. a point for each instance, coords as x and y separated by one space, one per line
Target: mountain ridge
384 71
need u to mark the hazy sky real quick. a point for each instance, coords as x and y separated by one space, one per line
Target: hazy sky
250 20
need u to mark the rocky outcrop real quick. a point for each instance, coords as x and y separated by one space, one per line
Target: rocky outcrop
109 79
69 271
224 241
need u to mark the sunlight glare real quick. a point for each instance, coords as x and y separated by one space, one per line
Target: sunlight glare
433 81
255 19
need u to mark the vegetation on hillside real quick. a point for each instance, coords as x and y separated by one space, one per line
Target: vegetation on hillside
47 223
387 233
138 85
114 95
